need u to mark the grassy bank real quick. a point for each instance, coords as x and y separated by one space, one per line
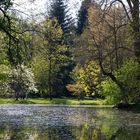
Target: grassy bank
65 101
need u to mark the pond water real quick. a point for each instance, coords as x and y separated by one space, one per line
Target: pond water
40 122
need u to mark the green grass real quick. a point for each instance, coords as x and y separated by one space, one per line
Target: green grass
63 101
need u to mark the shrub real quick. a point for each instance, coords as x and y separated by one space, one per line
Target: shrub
22 81
88 77
128 75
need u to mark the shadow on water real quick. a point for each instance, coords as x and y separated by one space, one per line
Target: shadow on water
28 122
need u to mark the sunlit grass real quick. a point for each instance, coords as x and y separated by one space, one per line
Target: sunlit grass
59 101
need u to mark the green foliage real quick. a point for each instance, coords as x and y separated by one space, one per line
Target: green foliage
4 72
128 75
82 16
4 16
49 58
60 11
19 49
88 76
48 47
40 68
3 50
15 39
111 91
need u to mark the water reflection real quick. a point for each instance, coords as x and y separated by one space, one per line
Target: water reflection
26 122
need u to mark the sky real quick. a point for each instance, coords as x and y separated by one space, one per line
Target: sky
37 9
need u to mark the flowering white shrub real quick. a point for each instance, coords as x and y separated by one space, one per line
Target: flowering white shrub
22 81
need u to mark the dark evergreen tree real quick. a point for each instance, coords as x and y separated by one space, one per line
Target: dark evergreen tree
82 16
60 11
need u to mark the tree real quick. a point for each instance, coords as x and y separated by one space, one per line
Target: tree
60 11
127 74
131 8
40 68
5 20
105 40
83 16
86 80
53 54
18 48
22 81
132 19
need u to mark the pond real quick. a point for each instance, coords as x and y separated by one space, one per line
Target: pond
40 122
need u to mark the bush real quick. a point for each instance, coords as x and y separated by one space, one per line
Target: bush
76 90
111 91
22 81
128 75
4 88
87 77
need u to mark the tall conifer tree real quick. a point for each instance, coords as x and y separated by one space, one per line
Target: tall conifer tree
61 12
82 16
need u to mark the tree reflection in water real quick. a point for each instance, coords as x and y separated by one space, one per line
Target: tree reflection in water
90 124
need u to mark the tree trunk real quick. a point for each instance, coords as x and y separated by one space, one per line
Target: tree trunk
118 83
49 81
16 96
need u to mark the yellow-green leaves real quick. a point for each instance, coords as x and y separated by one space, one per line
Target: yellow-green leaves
128 75
88 76
50 30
